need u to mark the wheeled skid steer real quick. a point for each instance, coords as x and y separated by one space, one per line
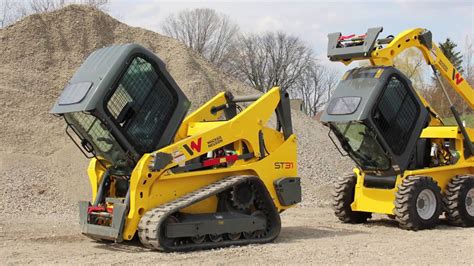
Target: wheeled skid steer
217 177
410 165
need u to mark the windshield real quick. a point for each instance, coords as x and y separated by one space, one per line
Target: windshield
360 142
93 130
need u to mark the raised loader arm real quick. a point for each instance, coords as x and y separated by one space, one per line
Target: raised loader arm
381 52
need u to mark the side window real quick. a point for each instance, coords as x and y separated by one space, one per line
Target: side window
396 114
142 105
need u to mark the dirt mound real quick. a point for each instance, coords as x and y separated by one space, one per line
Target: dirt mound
40 53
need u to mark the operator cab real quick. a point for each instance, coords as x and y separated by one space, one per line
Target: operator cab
377 118
120 104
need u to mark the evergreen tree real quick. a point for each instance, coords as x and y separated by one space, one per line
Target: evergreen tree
449 49
436 96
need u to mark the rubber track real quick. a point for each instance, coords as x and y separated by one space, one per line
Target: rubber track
150 224
451 200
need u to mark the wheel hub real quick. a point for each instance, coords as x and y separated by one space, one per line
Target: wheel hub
470 202
426 204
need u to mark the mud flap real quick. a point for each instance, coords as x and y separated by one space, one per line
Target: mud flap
113 232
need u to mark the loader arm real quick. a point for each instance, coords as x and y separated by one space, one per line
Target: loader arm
384 55
421 39
381 52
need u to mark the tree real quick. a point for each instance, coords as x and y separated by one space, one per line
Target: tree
468 68
5 13
41 6
315 87
11 10
203 30
271 59
448 47
411 63
468 61
437 97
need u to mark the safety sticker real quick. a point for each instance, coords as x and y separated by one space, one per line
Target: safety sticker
178 157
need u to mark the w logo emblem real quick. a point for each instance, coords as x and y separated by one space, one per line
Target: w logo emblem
195 146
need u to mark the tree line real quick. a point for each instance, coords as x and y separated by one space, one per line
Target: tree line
270 59
261 60
279 59
412 64
13 10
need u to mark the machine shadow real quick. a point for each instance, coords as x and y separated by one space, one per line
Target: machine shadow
392 223
382 222
288 234
294 233
133 246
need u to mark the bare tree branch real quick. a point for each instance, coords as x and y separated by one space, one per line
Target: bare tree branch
8 13
203 30
268 60
315 87
11 10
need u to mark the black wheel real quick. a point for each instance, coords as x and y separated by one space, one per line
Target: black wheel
343 198
234 236
418 203
198 239
258 233
459 201
216 238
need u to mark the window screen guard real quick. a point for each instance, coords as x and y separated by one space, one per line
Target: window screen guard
395 114
142 105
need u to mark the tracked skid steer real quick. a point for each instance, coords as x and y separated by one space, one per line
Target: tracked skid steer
217 177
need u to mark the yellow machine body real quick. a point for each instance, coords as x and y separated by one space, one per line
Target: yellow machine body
378 200
202 131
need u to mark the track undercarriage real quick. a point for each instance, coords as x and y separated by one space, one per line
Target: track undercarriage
245 215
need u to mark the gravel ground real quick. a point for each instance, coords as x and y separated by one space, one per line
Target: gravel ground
308 236
43 175
43 171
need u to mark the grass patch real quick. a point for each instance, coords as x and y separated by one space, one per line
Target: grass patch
469 119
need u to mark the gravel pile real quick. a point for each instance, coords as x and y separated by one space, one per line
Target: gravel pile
41 171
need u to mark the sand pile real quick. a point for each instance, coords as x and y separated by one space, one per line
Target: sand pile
41 170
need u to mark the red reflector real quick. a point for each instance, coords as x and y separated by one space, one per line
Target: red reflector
211 162
232 158
224 159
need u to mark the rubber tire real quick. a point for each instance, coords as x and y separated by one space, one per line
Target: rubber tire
343 195
454 201
405 203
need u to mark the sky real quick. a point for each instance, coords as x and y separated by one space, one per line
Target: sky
313 20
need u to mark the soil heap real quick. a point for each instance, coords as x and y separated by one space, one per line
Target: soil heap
41 171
